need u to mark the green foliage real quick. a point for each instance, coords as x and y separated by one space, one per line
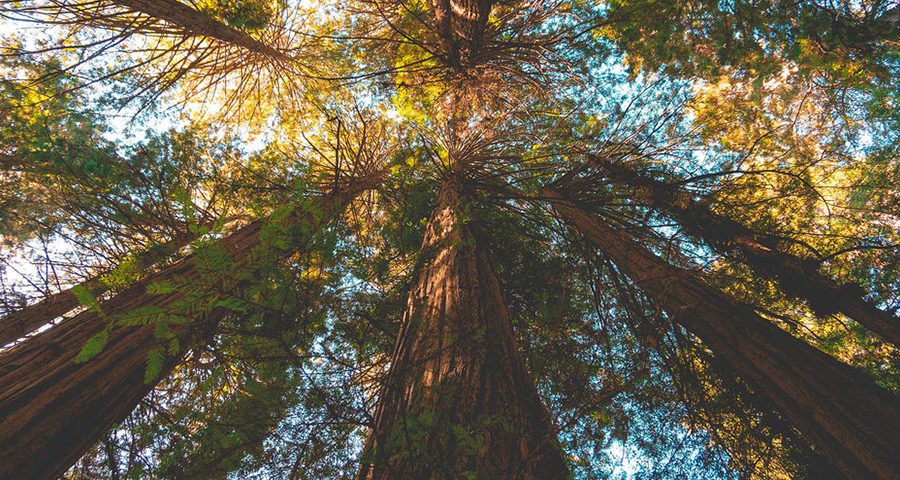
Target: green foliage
86 298
156 359
92 347
141 316
242 14
160 287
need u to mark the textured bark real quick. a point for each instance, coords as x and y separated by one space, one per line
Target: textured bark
22 322
53 409
199 23
457 400
461 25
798 277
852 421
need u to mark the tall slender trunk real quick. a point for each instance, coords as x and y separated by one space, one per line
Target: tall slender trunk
199 23
457 400
461 25
840 410
53 409
798 277
22 322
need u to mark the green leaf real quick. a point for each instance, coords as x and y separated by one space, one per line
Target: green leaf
86 298
92 347
162 331
140 316
176 319
155 360
126 272
213 259
160 287
174 346
233 304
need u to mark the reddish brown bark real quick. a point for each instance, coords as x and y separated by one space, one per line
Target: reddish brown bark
798 277
53 409
457 400
853 422
461 26
22 322
199 23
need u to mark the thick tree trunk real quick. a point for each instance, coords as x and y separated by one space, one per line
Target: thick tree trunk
53 409
457 400
853 422
199 23
461 25
22 322
798 277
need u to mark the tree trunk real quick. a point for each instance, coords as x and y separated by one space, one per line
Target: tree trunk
461 25
798 277
54 409
199 23
22 322
862 35
853 422
457 400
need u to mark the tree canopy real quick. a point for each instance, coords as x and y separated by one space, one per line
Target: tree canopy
441 239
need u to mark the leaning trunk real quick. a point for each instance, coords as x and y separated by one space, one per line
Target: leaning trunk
851 420
54 409
22 322
198 23
798 277
457 402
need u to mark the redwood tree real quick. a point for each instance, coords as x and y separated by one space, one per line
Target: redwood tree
763 252
458 401
854 422
66 388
